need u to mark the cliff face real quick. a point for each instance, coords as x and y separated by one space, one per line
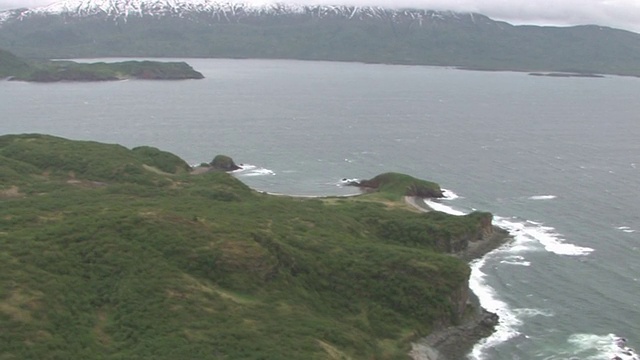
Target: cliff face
469 322
474 242
460 301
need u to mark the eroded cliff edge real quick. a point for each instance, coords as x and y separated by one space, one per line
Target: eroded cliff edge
449 340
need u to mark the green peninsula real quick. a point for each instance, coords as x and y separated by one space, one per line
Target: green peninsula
15 68
115 253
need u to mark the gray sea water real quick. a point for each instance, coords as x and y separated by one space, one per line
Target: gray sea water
555 159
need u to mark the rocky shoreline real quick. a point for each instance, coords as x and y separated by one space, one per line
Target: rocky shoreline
455 342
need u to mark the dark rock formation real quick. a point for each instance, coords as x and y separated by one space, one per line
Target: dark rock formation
455 342
224 163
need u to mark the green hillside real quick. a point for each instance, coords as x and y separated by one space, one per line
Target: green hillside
11 64
111 253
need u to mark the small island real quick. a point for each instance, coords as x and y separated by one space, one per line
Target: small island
566 74
132 253
18 69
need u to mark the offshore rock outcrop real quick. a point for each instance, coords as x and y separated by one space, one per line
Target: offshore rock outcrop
224 163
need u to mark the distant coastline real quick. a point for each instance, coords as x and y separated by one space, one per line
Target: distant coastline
15 68
566 75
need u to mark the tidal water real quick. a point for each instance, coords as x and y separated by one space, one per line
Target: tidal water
555 159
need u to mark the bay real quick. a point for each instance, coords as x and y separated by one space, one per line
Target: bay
555 159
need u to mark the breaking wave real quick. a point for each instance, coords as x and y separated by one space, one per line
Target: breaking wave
252 170
542 197
449 195
601 347
625 229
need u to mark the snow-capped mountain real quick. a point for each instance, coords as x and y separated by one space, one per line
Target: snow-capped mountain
221 11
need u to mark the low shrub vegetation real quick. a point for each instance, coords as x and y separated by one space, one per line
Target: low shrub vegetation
111 253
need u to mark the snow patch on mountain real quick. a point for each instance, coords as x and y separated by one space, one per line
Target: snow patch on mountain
220 10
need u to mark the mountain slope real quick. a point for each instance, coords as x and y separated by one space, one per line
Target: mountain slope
219 10
173 28
11 64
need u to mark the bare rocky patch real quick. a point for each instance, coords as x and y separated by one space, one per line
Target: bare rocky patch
12 192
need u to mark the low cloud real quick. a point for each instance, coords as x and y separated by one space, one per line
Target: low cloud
615 13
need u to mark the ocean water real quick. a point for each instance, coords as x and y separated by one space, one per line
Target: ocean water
554 159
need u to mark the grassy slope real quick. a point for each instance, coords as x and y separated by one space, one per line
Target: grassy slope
110 253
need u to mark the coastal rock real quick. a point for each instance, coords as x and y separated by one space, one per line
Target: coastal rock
455 342
475 243
224 163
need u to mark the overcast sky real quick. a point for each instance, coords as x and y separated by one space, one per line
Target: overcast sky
623 14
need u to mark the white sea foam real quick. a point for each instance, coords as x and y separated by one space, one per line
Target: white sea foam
509 322
252 170
518 263
515 260
443 208
449 195
524 232
601 347
626 229
347 181
529 313
542 197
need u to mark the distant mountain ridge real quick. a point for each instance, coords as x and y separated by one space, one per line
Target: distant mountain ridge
205 28
222 11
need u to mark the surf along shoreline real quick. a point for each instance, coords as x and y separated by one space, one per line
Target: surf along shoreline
456 342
